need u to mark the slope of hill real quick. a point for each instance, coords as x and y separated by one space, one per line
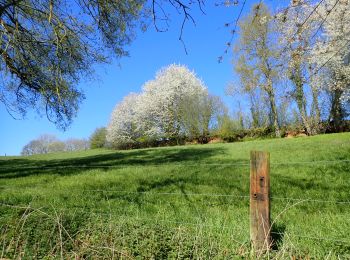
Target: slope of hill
175 202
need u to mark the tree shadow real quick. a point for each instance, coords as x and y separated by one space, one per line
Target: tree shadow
318 179
15 168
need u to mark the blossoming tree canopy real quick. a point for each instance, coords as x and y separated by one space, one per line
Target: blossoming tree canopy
331 57
122 129
174 105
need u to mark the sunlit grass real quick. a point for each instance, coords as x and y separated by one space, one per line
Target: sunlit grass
186 201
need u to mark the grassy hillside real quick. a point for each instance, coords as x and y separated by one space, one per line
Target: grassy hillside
175 202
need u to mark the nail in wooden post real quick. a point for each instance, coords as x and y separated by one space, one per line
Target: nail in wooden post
260 200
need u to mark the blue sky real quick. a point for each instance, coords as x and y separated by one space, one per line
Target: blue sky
149 52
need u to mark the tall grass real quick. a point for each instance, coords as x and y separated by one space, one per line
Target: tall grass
176 202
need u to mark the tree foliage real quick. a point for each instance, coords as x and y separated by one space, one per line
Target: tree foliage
298 60
124 126
331 57
41 145
297 29
47 46
175 93
257 57
76 144
50 144
98 138
173 106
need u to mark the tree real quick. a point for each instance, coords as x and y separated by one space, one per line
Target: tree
47 46
297 27
174 105
56 146
259 112
227 127
198 111
177 93
331 56
123 128
74 144
50 144
98 138
33 147
258 56
41 145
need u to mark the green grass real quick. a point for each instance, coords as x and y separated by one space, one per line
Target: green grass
164 202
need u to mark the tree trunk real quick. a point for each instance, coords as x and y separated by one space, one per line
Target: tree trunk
271 95
337 113
254 111
315 112
301 101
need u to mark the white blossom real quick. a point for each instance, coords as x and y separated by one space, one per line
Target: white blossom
122 129
172 105
331 54
166 96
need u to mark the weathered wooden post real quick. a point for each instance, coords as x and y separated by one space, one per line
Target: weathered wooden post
260 200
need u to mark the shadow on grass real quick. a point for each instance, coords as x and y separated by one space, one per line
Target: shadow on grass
319 182
277 234
14 168
322 177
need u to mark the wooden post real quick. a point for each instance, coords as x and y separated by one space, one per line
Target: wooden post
260 200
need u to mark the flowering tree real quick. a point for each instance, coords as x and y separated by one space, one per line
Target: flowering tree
331 56
174 95
174 105
297 27
122 130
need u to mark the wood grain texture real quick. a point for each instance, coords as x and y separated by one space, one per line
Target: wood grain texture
260 200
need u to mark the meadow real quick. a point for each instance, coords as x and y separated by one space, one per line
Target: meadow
180 202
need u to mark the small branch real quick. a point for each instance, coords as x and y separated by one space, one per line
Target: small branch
229 43
154 14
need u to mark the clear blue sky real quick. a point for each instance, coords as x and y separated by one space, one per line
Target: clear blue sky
149 52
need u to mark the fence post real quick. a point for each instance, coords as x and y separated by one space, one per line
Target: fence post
260 200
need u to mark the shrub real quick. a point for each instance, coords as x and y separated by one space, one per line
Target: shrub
261 132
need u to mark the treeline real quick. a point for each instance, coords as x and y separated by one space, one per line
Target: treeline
294 67
50 144
292 71
293 76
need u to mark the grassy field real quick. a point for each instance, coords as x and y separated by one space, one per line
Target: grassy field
176 202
